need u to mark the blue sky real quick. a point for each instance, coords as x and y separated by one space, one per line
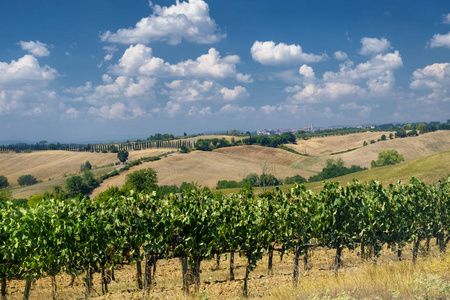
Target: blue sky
83 71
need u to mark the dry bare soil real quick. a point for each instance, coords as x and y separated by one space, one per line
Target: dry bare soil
358 279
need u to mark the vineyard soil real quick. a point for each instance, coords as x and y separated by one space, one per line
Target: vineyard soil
389 279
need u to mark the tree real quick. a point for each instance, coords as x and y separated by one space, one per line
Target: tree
3 182
141 181
86 166
387 157
122 155
295 179
383 137
25 180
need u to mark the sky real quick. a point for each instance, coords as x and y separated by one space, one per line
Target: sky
104 70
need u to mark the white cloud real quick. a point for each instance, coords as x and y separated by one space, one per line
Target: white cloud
244 78
71 113
238 92
267 53
172 108
139 60
195 111
371 46
25 70
375 67
363 111
110 50
329 91
307 71
192 90
236 109
381 84
36 48
117 110
183 20
340 55
446 19
435 77
269 109
440 40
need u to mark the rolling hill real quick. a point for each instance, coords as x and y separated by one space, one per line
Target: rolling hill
234 163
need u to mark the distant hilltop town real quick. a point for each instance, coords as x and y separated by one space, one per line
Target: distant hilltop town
309 128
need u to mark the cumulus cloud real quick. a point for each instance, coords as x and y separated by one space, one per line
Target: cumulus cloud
237 93
440 40
371 46
307 72
244 78
110 50
340 55
192 90
200 112
117 110
184 20
375 67
37 48
372 78
269 53
25 70
435 77
172 108
139 60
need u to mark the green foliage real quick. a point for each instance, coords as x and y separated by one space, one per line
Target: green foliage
86 166
113 148
122 155
26 180
295 179
144 180
3 182
387 157
161 137
35 200
81 185
211 144
270 140
251 180
335 169
401 133
79 235
184 149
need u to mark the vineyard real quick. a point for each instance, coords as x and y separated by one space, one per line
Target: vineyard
82 237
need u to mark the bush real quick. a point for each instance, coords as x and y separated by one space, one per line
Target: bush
86 166
141 181
3 182
26 180
335 169
295 179
387 157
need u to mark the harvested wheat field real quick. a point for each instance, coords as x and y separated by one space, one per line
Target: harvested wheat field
51 164
321 149
357 279
208 167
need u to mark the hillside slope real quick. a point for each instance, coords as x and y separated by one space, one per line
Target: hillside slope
206 168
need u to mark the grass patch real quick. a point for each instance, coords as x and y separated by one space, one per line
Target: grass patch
292 150
345 151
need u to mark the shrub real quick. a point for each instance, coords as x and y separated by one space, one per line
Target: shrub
387 157
26 180
3 182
